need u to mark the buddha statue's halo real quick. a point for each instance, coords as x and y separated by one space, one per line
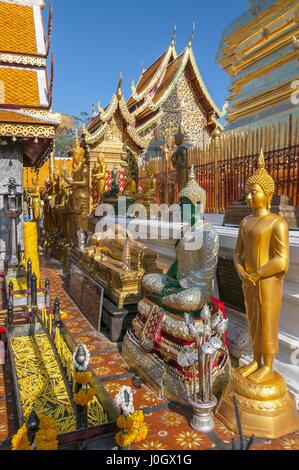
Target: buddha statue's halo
262 178
195 193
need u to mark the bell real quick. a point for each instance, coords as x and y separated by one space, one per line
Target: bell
32 426
81 356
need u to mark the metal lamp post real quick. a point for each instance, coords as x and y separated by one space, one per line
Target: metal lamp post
12 209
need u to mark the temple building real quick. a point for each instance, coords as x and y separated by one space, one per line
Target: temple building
27 125
259 50
110 132
171 93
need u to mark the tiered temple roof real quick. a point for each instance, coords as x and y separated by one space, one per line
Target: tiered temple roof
147 108
25 91
116 115
158 82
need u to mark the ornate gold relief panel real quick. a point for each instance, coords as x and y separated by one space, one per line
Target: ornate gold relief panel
182 107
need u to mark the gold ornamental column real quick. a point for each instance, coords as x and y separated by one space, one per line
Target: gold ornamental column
261 259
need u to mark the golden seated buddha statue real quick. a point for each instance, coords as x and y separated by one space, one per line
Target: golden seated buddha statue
159 333
118 263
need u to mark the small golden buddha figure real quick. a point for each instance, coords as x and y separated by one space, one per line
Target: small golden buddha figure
77 153
36 200
47 196
262 260
179 161
148 194
112 244
132 174
99 176
33 198
54 200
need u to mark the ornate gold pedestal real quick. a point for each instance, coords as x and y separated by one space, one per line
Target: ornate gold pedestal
267 410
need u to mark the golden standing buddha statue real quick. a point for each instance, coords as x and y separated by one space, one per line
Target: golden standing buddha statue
148 194
179 160
261 260
78 200
33 198
99 176
36 198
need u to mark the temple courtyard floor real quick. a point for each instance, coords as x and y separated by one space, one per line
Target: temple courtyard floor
168 426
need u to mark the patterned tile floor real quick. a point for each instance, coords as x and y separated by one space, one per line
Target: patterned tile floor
168 427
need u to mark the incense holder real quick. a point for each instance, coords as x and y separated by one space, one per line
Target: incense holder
203 418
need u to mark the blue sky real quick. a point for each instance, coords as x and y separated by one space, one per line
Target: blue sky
93 40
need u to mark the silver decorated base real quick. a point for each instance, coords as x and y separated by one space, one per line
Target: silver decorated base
203 419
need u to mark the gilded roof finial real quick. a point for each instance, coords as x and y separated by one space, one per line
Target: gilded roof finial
77 142
261 163
192 174
173 35
192 35
100 109
119 92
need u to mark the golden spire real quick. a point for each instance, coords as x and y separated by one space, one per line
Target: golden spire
195 193
261 162
261 177
77 151
126 256
119 92
77 142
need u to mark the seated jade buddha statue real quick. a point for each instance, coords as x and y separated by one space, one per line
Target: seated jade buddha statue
159 333
188 284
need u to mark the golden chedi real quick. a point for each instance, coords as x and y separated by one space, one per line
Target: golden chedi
261 260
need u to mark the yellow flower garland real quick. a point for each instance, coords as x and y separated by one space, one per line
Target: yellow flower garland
132 429
45 438
83 397
83 378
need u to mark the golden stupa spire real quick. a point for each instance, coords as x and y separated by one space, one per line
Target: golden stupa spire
77 141
120 83
126 256
261 162
195 193
77 151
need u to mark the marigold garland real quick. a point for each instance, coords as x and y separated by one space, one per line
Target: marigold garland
83 397
45 438
83 378
132 429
